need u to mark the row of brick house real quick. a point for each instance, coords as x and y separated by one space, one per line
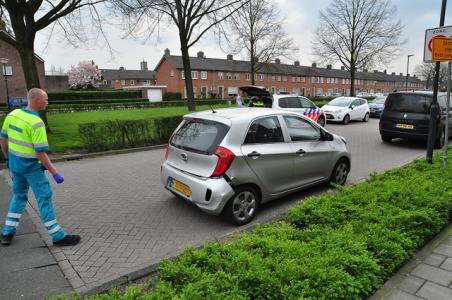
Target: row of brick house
220 78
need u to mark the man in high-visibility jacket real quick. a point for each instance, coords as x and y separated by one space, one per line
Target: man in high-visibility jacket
23 140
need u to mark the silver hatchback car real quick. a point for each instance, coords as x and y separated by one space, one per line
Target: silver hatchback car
232 160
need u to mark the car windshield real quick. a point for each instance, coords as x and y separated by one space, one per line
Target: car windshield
379 100
341 101
412 103
199 135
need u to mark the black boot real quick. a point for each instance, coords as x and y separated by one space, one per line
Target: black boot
68 240
7 239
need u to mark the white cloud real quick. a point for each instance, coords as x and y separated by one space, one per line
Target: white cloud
301 18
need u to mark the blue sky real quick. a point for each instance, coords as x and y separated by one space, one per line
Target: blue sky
301 18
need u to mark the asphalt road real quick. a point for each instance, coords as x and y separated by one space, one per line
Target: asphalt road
128 221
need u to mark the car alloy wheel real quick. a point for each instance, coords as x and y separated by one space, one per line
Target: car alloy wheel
366 118
242 208
340 172
346 119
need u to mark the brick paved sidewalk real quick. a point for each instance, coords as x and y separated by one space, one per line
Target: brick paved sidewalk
427 276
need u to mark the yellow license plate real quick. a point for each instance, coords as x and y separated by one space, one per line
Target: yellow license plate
179 186
405 126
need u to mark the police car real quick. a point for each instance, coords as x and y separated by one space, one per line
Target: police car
290 102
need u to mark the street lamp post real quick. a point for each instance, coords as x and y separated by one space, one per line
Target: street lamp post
4 61
407 68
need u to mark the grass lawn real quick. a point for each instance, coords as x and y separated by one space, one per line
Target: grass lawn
64 127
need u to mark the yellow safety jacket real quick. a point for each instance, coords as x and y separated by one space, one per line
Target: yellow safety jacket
26 135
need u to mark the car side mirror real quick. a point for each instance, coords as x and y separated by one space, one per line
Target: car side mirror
327 136
352 106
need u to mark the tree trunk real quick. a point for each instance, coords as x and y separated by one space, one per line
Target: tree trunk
352 81
27 57
187 70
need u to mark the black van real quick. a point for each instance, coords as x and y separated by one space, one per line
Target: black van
406 115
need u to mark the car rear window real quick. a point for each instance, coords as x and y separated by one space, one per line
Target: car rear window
201 136
412 103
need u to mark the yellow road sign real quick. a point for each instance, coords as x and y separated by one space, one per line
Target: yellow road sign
442 49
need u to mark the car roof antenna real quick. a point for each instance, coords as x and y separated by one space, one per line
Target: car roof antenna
213 111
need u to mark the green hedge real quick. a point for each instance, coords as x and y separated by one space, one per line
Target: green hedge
120 134
333 246
169 96
99 101
85 95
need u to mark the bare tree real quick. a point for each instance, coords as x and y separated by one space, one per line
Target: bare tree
358 33
256 30
24 19
426 71
193 19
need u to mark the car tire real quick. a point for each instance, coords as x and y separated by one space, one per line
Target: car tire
321 121
439 143
242 207
386 139
366 118
346 119
340 172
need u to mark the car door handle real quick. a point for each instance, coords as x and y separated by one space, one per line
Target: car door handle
254 154
300 151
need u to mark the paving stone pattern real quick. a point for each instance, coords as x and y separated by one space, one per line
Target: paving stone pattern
128 222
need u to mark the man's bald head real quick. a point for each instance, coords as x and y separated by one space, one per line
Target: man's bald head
37 99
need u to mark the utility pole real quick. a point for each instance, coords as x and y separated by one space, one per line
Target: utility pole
4 61
407 70
434 106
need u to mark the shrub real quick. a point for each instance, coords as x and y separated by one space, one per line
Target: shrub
116 134
85 95
120 134
169 96
164 127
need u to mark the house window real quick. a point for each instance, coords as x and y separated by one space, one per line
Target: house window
203 74
279 78
8 71
261 77
183 74
293 79
247 76
171 73
194 74
220 76
236 76
104 82
146 82
273 77
228 76
312 79
132 82
123 82
321 79
284 78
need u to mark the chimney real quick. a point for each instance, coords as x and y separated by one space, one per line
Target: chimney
342 68
277 61
121 69
365 70
200 54
229 57
167 52
401 74
144 65
296 63
375 71
384 71
314 65
408 75
414 76
328 67
393 73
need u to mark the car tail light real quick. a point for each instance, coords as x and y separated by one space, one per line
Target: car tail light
225 158
167 151
167 148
